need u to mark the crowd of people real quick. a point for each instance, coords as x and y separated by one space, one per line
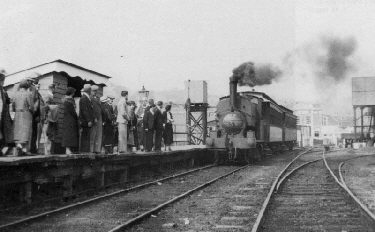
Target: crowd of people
98 126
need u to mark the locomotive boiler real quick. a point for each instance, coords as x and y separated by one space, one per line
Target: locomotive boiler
249 122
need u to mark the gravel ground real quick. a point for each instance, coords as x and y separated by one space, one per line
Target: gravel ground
231 204
359 175
109 213
16 213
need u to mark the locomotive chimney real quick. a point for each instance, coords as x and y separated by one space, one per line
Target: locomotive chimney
233 91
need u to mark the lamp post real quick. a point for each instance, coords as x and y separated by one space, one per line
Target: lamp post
143 96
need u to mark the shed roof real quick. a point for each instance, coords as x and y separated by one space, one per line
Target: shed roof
71 69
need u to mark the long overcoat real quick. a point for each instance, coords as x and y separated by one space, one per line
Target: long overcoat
168 130
108 128
86 115
148 129
70 124
6 124
23 106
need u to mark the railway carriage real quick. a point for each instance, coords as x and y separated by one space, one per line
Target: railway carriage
249 122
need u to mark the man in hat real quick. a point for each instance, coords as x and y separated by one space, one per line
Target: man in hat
122 121
96 133
149 126
86 118
159 125
38 106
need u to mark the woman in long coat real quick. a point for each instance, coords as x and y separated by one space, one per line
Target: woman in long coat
70 123
23 107
168 130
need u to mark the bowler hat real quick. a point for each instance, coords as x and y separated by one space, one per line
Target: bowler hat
94 87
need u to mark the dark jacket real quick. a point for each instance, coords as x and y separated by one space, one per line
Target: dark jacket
70 124
159 120
6 124
148 120
86 111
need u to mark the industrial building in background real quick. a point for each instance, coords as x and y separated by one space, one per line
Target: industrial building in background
314 127
363 101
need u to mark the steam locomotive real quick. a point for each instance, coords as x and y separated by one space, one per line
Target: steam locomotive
250 122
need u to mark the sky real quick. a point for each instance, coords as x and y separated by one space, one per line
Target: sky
162 43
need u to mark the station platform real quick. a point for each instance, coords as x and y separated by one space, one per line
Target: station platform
17 160
29 179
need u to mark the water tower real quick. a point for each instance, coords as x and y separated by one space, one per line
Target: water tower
363 101
196 111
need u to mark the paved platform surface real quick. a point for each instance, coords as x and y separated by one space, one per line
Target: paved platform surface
14 160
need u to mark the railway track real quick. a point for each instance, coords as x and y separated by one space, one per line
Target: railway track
118 211
15 221
309 197
243 203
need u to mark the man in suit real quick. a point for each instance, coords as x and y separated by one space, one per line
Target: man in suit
159 125
149 127
38 104
86 118
142 113
122 122
96 132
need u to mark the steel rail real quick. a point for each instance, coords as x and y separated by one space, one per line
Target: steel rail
359 202
292 171
135 220
269 195
345 187
92 200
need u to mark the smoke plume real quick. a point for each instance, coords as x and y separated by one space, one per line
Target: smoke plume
320 71
256 75
265 74
335 62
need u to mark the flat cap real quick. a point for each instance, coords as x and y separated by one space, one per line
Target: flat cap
94 87
86 87
159 103
104 99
